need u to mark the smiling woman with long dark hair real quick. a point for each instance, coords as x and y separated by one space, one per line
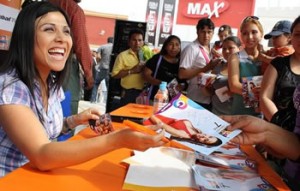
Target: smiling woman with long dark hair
31 116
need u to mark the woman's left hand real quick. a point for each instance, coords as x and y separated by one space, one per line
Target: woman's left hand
84 116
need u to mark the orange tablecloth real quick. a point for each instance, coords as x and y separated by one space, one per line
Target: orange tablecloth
105 173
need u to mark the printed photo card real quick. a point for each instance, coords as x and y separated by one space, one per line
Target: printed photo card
192 125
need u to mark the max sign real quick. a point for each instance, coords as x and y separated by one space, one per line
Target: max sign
207 8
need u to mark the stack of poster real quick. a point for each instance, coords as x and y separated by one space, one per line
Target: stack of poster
213 163
228 168
160 169
166 168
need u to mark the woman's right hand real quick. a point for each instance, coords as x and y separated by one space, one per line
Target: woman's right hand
128 138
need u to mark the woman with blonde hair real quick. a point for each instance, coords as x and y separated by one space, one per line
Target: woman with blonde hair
245 63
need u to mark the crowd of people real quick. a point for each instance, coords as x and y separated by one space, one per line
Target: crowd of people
33 82
229 60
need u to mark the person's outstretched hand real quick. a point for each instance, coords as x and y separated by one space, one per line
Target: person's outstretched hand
276 140
253 128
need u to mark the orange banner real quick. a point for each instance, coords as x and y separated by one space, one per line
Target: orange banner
9 11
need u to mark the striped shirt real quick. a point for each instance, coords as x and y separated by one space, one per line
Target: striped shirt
18 93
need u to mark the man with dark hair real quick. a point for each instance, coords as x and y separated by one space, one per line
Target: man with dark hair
81 50
102 67
195 59
127 67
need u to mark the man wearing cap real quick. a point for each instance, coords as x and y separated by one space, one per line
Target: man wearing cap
281 37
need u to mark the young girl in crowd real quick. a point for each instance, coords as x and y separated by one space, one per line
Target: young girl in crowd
224 32
281 41
30 95
221 102
245 63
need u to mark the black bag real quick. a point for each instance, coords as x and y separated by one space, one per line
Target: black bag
285 118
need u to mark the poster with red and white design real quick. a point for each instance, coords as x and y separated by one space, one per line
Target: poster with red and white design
167 18
152 18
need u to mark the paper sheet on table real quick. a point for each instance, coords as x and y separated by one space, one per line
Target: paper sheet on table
159 169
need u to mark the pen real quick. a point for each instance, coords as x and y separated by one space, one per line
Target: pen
143 129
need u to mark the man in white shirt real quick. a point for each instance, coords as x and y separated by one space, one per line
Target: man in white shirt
196 59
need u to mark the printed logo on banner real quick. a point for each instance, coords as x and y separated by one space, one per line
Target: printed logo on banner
152 18
166 27
207 8
8 17
230 12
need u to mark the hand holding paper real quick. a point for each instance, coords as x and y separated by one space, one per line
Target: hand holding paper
144 129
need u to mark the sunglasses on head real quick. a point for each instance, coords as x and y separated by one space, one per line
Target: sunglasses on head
27 2
250 18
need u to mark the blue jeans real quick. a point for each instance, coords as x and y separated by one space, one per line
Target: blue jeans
99 76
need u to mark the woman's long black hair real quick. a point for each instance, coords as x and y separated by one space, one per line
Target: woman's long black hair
164 51
21 50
